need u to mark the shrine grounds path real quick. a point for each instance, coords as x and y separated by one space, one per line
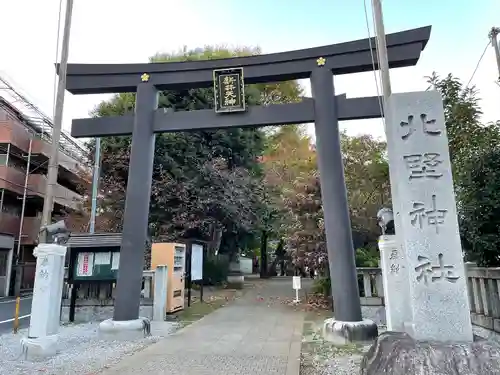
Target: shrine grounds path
260 333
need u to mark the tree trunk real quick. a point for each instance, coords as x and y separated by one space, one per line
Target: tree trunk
263 254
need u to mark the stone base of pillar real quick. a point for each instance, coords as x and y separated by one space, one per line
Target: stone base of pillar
40 347
398 354
235 280
124 330
343 333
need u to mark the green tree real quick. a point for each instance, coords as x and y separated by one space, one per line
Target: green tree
205 183
367 181
467 136
474 156
480 208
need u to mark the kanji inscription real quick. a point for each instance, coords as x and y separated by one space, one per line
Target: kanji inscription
423 165
431 216
428 272
428 126
43 274
394 267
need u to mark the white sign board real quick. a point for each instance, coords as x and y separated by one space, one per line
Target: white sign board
196 262
85 264
102 258
115 260
296 282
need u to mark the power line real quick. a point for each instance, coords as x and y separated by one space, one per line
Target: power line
478 63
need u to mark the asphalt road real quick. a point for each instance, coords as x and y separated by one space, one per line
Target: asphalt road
7 311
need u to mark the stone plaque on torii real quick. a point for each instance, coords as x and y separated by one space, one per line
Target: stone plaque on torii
325 109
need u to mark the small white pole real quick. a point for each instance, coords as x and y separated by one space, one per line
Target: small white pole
296 285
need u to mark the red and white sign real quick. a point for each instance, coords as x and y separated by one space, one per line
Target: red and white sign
85 264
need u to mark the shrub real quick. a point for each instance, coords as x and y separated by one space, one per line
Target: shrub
215 269
322 286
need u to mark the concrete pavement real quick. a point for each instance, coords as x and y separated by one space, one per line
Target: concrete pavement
257 334
7 311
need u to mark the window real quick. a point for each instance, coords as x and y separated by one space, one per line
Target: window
3 262
3 159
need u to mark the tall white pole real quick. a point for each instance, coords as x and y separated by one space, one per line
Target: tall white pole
95 183
383 61
56 133
494 41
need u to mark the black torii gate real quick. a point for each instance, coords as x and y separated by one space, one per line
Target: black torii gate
324 109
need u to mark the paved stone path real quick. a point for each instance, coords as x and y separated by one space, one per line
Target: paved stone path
256 334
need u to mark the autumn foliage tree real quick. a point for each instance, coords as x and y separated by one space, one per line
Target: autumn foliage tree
367 181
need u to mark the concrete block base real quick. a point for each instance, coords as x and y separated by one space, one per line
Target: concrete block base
124 330
344 333
39 348
235 281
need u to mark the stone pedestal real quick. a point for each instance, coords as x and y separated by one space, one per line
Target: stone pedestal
235 280
124 330
395 282
46 304
426 217
160 293
39 348
397 353
344 333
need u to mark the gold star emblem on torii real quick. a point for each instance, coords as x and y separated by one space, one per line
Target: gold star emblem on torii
321 61
145 77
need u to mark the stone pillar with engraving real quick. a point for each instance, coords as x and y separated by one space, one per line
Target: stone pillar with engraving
395 283
420 166
46 303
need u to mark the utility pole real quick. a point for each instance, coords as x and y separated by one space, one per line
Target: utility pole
58 116
383 62
95 183
494 41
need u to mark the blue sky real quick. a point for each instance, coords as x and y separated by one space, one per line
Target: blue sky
102 32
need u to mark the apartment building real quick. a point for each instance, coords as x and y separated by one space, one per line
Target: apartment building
25 143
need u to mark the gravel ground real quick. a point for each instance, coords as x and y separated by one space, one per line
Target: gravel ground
322 358
81 352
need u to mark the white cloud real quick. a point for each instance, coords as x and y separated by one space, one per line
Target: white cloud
117 31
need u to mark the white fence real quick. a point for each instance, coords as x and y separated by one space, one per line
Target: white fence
483 288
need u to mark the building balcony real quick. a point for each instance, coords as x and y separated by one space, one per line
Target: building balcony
18 135
10 224
13 180
37 183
